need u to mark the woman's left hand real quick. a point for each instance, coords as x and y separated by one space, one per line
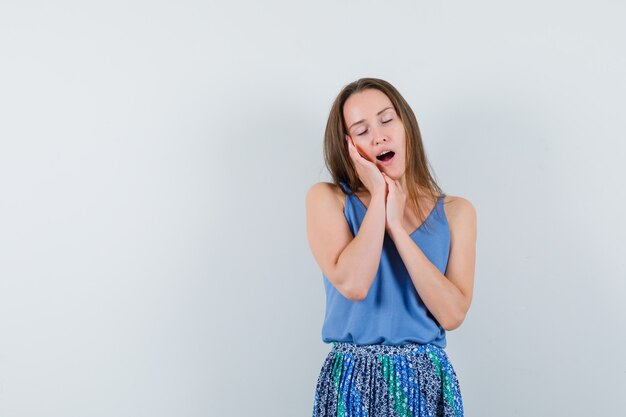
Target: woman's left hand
395 201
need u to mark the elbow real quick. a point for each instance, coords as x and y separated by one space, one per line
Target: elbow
352 291
456 319
453 323
349 286
358 296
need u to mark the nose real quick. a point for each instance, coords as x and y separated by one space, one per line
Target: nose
378 135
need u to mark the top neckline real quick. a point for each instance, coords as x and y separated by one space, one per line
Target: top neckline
420 226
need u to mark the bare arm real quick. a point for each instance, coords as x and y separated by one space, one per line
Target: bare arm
350 263
447 297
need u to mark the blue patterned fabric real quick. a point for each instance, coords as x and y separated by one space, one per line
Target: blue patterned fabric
409 380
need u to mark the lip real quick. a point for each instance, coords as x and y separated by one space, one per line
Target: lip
388 161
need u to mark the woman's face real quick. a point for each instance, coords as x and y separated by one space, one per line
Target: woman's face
374 126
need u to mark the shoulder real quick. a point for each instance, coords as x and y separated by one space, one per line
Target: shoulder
326 192
460 212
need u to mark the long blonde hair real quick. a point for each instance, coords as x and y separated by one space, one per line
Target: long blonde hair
337 159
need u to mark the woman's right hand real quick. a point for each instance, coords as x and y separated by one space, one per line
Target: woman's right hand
368 172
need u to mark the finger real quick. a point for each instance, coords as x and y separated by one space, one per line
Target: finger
352 150
358 152
351 145
358 156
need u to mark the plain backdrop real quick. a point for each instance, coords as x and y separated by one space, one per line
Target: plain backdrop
154 162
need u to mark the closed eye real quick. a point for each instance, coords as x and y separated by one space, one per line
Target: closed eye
363 132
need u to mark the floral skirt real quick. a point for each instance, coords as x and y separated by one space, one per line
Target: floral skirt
387 381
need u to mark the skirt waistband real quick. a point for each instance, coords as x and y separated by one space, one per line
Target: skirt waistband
380 349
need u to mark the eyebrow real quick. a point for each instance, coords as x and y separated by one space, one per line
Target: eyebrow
361 121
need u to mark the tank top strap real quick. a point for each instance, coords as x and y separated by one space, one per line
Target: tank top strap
438 210
439 204
345 187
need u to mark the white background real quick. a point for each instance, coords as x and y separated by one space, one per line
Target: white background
154 161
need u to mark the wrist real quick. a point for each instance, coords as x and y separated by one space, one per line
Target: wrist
396 229
378 196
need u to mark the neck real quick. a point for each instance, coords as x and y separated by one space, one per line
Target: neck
402 181
422 193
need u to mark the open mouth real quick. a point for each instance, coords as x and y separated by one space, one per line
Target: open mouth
386 157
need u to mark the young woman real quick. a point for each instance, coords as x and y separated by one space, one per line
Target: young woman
397 259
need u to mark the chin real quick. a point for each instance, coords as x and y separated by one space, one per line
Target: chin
392 176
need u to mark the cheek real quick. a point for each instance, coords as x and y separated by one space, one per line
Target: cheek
360 143
357 144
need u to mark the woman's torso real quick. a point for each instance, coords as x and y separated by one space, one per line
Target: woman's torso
392 313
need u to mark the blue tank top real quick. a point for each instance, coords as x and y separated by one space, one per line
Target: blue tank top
392 313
